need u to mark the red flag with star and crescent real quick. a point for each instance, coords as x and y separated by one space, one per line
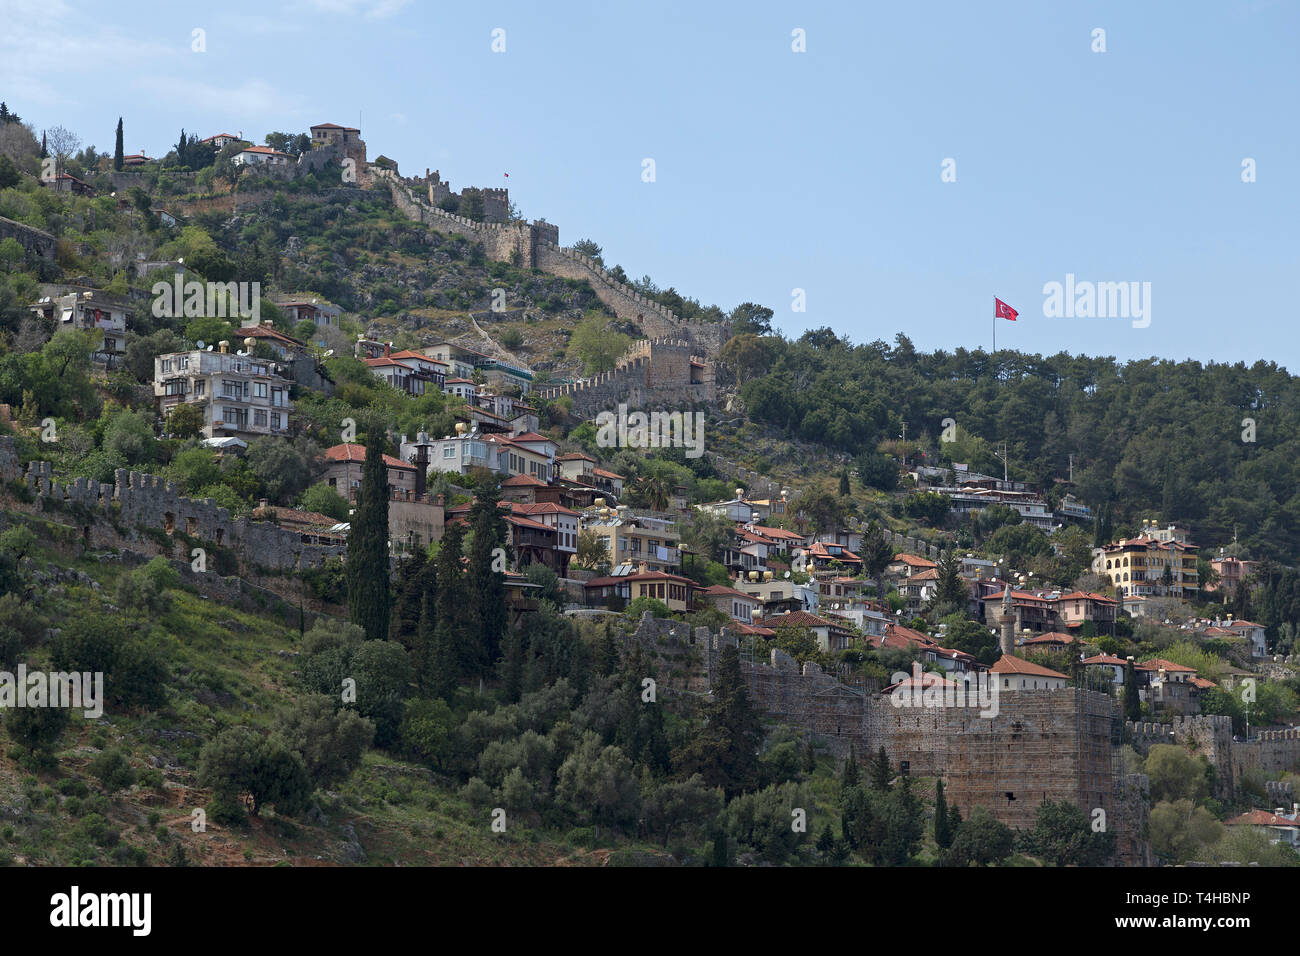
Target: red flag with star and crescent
1003 311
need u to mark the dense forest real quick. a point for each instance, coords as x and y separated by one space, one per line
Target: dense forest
1153 438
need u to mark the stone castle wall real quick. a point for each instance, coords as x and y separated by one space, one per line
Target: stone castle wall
651 373
1045 745
36 242
139 501
1209 735
1273 751
536 245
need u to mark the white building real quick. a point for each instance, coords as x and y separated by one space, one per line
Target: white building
261 156
89 311
239 395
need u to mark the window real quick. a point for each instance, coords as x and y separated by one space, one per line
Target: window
259 390
259 417
449 451
166 365
276 421
200 387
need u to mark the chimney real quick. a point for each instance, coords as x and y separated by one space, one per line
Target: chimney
441 499
261 504
388 348
267 322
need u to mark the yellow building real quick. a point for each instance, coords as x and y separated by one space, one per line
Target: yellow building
1136 566
653 542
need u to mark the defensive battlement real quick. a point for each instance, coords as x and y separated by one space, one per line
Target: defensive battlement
537 245
136 501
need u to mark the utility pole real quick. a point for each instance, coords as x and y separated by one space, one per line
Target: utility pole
904 437
1003 456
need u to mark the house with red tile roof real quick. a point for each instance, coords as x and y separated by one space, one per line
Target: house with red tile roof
344 465
1016 674
738 605
1278 827
905 565
675 591
1113 667
1168 686
833 634
261 156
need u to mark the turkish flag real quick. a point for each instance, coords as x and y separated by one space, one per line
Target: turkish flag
1003 311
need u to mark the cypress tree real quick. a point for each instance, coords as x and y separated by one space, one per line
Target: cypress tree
719 848
369 591
448 659
844 483
942 830
413 612
1132 703
849 775
880 771
117 148
488 615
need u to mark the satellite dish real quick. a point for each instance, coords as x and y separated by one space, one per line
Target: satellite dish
198 344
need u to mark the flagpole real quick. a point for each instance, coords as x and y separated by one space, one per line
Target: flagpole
995 328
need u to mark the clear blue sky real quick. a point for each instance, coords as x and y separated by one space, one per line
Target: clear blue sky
778 170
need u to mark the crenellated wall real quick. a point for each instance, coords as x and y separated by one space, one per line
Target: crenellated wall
536 245
651 373
136 501
1045 745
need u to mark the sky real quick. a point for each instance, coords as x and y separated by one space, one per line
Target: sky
774 170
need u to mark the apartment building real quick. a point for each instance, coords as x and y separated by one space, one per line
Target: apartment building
654 542
89 311
1138 566
240 396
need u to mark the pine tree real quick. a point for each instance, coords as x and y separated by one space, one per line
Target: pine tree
117 148
488 615
826 843
369 591
876 555
607 656
942 828
951 590
725 751
514 657
640 731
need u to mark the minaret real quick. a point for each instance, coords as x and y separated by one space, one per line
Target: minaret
1007 622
